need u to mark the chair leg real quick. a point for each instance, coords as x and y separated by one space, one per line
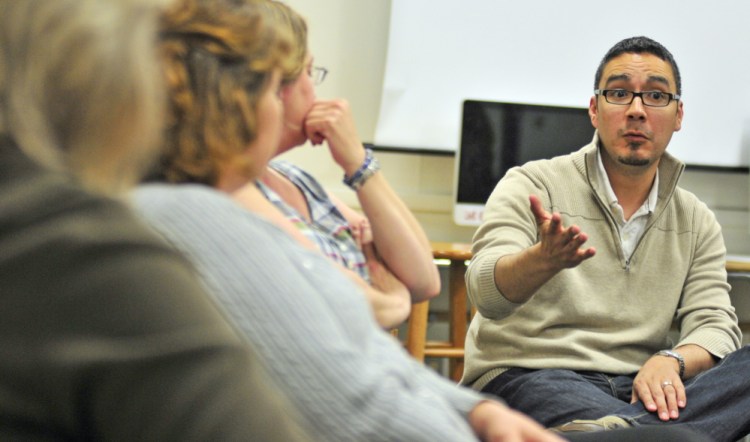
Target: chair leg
416 335
458 322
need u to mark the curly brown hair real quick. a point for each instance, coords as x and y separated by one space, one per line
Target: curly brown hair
219 56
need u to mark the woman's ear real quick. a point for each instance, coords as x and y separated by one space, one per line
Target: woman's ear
285 91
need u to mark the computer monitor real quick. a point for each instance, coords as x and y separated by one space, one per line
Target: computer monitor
496 136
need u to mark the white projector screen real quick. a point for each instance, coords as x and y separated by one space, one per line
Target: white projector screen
442 52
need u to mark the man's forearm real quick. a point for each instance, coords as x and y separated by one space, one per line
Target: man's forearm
697 359
520 275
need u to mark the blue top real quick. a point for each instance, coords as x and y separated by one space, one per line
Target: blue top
328 228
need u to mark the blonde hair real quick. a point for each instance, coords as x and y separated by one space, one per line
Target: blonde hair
289 19
80 88
219 58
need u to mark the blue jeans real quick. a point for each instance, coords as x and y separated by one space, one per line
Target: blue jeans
718 400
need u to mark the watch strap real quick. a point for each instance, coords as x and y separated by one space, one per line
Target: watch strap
674 354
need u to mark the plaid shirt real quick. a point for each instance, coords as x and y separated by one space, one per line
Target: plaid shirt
329 230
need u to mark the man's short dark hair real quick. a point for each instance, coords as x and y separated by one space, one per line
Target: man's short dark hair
639 45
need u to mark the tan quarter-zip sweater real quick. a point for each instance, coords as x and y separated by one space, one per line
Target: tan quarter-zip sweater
609 314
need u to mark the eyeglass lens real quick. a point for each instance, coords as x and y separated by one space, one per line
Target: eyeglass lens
319 74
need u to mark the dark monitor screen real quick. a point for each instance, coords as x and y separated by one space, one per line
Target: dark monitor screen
497 136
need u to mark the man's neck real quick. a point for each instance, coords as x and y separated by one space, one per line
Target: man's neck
630 184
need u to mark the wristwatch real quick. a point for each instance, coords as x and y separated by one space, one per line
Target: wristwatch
674 354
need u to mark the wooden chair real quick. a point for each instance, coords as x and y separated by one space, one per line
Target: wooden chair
416 336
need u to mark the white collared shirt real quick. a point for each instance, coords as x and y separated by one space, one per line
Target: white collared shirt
630 230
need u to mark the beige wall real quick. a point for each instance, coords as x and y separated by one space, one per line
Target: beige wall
349 37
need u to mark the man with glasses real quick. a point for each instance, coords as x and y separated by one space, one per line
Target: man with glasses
584 262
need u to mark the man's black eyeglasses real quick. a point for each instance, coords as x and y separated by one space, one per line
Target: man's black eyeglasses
625 97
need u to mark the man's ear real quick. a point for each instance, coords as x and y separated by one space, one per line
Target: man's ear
678 121
594 112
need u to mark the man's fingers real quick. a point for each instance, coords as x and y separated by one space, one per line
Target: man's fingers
555 225
540 214
664 398
643 393
670 394
660 398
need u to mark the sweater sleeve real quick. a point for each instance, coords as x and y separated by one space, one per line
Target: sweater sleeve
310 324
508 227
705 313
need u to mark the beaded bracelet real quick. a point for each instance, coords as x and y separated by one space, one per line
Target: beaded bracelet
365 171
